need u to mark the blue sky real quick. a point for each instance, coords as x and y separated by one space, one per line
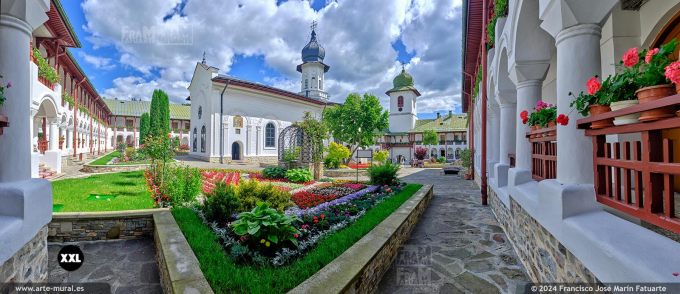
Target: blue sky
103 61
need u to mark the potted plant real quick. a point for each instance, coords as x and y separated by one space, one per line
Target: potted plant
4 120
594 102
420 154
672 73
544 116
621 94
650 77
466 162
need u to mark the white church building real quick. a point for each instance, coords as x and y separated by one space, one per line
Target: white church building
233 120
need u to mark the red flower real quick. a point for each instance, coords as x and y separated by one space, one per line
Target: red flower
562 119
323 216
650 54
593 85
631 57
524 115
296 235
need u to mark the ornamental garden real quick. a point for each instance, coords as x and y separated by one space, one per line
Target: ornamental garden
260 230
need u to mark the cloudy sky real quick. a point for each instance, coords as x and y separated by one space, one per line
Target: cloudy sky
131 47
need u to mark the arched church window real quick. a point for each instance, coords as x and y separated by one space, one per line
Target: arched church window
400 102
313 82
193 146
238 121
203 139
270 135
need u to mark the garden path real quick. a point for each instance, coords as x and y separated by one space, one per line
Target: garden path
128 266
457 247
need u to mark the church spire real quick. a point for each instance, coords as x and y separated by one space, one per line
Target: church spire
203 61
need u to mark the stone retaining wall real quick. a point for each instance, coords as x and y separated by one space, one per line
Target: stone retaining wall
544 257
90 226
178 266
112 168
361 267
29 264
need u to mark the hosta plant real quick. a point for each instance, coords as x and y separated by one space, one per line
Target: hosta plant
265 228
299 175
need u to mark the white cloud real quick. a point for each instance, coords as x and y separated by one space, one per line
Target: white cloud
98 62
357 36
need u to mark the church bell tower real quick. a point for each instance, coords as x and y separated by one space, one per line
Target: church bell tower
403 112
313 69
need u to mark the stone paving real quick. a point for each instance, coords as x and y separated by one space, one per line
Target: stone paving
457 247
129 266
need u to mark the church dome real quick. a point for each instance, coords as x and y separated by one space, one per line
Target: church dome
313 51
403 80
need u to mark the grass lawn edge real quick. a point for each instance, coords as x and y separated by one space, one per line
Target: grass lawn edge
225 276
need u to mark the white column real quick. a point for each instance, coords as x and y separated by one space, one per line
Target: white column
507 131
492 134
17 20
54 134
528 93
257 140
578 59
69 138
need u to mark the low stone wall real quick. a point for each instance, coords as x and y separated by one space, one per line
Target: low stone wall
29 264
337 173
361 267
178 266
544 257
112 168
90 226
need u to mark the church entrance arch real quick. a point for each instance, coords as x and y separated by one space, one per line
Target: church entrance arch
235 151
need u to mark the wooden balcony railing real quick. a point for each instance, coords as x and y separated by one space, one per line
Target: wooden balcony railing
543 153
640 175
45 82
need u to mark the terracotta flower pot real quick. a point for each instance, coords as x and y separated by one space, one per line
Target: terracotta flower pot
596 109
533 128
551 132
625 119
4 122
677 88
649 94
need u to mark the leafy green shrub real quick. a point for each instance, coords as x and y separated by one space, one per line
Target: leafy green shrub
221 203
250 193
441 159
299 175
45 70
291 154
466 158
264 227
336 154
381 156
274 172
385 174
183 184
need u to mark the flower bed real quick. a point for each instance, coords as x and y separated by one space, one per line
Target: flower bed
316 196
210 178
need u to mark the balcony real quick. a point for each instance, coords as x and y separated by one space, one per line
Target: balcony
637 175
543 153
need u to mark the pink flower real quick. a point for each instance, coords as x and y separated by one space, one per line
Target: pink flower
672 72
9 85
650 54
676 274
631 57
540 105
562 119
593 85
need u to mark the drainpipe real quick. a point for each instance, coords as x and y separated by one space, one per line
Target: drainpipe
221 128
483 102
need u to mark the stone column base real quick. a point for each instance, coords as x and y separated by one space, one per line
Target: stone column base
29 264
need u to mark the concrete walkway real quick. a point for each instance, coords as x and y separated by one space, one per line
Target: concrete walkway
457 247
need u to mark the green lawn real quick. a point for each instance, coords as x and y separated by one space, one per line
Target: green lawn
129 189
226 277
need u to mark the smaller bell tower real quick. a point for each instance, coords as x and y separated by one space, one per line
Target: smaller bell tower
403 112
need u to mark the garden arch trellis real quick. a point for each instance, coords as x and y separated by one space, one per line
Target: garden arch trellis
294 139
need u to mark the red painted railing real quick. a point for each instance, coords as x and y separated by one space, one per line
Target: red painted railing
638 175
543 153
